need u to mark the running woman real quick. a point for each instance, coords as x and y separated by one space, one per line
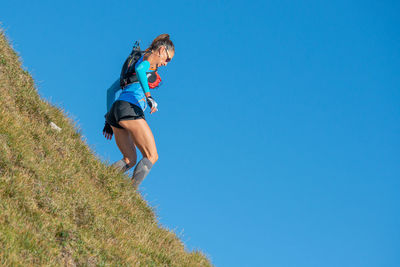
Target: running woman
126 115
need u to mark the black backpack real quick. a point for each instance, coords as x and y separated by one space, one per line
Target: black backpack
128 74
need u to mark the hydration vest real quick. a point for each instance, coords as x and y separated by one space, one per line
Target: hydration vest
128 73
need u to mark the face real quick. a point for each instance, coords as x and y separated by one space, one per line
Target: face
165 55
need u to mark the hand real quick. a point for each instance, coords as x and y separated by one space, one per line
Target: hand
152 104
107 131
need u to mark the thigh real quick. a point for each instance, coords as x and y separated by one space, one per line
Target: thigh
125 142
142 136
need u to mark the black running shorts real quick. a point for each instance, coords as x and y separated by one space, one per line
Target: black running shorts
122 111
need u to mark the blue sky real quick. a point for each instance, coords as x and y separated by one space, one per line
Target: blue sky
278 128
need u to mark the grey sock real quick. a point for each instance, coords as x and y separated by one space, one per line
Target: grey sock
121 165
141 171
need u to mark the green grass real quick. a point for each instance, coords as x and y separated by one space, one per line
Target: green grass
59 204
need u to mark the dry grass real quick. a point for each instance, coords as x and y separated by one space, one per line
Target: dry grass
59 205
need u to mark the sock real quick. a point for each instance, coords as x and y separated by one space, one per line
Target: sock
141 171
121 165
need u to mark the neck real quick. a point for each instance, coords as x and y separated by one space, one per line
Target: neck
152 59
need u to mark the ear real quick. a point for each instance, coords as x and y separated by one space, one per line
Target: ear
161 49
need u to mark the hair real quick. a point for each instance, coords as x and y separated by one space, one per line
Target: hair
161 40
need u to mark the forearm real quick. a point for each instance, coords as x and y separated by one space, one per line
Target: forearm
111 92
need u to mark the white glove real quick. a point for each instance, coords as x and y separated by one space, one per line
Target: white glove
152 103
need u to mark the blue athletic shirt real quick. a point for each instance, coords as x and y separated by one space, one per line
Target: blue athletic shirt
135 92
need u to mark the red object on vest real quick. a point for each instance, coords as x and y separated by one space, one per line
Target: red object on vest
156 82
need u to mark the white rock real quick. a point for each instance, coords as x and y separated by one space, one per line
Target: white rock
55 127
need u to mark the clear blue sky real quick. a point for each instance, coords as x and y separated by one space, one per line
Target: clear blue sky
278 128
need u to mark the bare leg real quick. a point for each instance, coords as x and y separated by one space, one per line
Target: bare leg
144 139
127 147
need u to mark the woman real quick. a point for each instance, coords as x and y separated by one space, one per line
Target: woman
126 115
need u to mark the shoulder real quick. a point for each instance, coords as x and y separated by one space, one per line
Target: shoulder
143 64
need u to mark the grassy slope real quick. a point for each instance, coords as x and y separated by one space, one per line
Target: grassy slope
59 205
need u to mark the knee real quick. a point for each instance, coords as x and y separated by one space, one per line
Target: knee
153 157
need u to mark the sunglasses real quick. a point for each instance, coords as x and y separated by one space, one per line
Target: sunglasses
168 57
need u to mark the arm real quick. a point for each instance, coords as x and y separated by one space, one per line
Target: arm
141 72
111 92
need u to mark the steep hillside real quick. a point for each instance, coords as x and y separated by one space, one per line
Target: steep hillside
61 206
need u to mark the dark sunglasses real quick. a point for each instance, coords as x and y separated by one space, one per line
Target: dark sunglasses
168 57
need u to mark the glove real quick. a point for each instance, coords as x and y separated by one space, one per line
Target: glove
152 103
107 131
